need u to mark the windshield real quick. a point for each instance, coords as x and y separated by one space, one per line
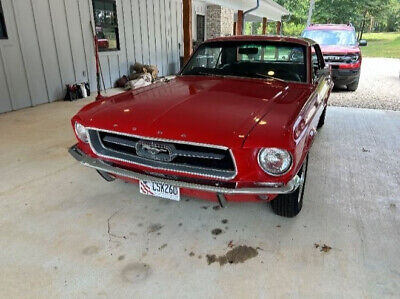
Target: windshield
332 37
268 60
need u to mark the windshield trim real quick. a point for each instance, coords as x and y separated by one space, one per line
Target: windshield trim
283 43
248 78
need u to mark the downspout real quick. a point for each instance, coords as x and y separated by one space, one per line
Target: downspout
248 11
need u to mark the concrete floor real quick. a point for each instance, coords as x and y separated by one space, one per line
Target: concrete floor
64 232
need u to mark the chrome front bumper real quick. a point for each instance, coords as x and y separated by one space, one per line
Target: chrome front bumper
86 160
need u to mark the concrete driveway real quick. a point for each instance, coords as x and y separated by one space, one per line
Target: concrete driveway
64 232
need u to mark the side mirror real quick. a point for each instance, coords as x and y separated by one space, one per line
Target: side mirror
362 43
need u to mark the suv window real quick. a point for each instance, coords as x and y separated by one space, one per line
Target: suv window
327 37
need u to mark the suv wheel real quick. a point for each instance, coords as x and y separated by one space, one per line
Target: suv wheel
353 86
289 205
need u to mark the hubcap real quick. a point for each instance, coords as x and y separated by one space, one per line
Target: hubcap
302 175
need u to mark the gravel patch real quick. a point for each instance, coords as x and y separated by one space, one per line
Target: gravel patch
379 86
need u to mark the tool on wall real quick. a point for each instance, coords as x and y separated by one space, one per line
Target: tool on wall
99 72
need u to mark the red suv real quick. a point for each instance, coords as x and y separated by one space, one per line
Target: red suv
341 50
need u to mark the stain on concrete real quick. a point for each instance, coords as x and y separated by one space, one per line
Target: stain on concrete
216 231
224 221
323 248
191 253
135 272
204 207
237 255
365 150
90 250
215 208
121 257
154 227
162 246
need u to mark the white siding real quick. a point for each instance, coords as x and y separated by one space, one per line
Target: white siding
50 45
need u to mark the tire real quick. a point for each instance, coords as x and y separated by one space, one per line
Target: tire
353 86
289 205
321 121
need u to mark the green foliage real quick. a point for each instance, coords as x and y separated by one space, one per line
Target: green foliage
293 29
378 15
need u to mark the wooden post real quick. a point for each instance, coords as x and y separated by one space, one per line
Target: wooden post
278 27
264 26
187 29
239 23
234 28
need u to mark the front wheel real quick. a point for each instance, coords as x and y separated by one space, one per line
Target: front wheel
353 86
289 205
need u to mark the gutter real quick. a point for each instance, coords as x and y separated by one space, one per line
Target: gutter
248 11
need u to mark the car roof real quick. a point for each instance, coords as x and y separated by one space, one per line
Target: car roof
330 27
273 38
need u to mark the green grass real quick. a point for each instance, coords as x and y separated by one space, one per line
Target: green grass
385 44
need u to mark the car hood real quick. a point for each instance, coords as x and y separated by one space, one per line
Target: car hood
210 110
341 50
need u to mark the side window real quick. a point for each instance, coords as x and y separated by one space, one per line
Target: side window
106 23
3 29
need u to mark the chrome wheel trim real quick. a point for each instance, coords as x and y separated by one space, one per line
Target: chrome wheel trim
302 176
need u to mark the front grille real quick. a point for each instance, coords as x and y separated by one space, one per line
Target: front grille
341 58
334 58
208 161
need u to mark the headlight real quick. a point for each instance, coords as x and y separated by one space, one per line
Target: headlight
274 161
353 58
81 132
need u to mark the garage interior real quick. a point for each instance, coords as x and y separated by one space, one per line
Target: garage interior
65 232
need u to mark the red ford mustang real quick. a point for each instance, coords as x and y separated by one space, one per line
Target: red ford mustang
236 124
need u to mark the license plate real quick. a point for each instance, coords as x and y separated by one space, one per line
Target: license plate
160 190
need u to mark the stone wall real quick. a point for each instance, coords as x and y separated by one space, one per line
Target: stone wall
219 21
227 20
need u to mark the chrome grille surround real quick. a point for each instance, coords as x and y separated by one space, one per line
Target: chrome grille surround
101 150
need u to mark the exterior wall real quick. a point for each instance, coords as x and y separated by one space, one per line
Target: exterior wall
50 45
219 21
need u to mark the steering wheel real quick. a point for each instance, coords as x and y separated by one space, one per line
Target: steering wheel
292 76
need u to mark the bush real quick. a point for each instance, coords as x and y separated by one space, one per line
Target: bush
292 29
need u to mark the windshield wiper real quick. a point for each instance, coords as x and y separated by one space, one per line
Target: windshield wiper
208 74
269 77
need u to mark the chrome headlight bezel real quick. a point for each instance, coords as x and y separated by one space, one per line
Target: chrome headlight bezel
273 150
81 132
